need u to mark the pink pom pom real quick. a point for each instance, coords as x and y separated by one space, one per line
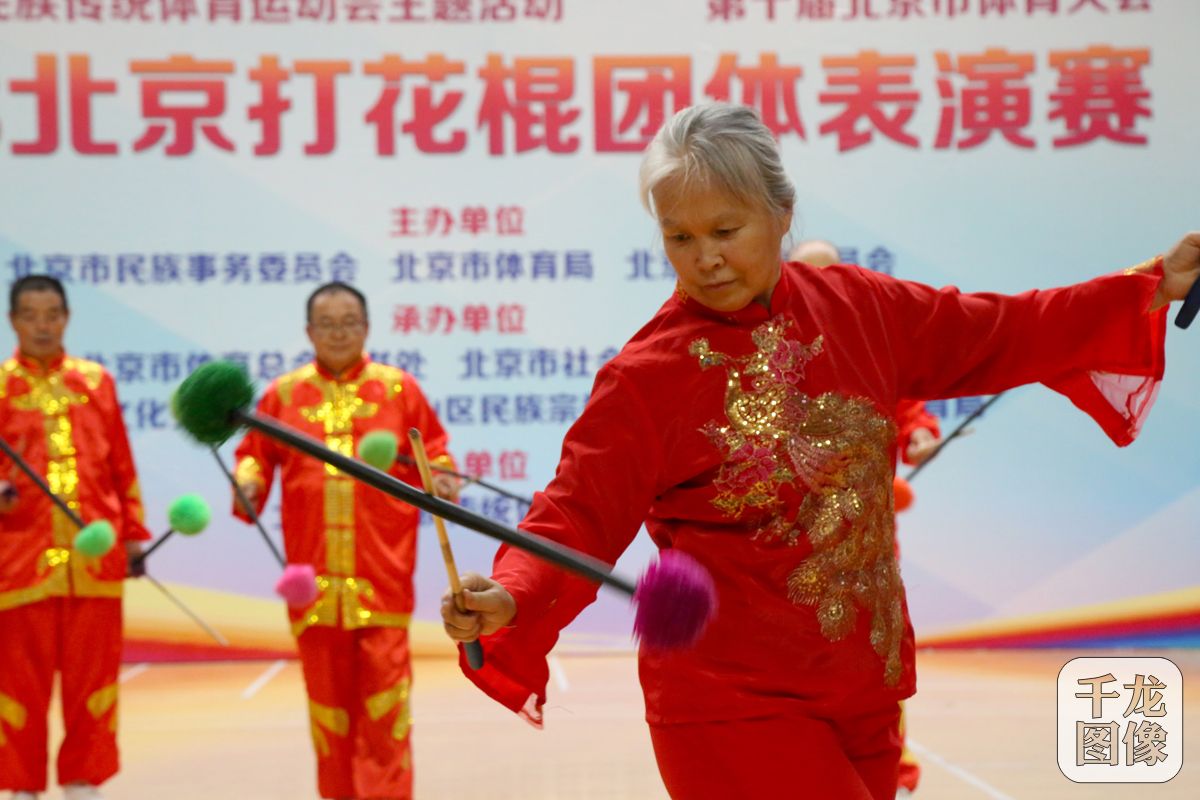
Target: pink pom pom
298 585
675 601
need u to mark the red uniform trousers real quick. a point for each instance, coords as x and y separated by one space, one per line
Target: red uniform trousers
358 685
81 639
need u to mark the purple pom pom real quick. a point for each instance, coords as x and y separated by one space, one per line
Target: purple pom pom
298 585
675 601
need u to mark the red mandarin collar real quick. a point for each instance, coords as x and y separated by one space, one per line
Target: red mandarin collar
752 314
35 366
349 375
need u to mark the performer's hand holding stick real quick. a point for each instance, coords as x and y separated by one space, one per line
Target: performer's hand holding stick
473 649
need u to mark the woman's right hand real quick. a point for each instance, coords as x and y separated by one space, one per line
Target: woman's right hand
489 607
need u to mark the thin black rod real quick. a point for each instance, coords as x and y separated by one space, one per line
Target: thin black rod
561 555
249 509
953 435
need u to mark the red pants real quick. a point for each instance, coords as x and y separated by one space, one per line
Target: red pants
358 688
847 759
81 639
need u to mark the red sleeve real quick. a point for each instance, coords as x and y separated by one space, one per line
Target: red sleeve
257 456
418 413
911 415
605 482
1095 342
120 462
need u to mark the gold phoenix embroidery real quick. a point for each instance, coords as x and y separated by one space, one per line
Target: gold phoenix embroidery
834 450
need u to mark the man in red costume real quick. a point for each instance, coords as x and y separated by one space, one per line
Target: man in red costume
353 639
750 425
59 609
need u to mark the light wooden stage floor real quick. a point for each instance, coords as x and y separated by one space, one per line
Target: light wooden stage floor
983 725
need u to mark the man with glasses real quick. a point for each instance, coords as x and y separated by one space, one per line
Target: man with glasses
60 610
353 639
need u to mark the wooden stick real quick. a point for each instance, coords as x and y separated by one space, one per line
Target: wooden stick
473 649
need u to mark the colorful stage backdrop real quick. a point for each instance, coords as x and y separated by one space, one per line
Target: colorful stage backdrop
193 168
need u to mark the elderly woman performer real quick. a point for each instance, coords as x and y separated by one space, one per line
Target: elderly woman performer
748 424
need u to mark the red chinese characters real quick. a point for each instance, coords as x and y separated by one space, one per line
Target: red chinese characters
768 87
653 87
993 98
535 106
875 89
1100 94
182 74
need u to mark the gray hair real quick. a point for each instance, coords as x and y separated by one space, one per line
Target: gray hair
720 144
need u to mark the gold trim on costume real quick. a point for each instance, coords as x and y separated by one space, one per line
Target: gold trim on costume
392 378
340 405
326 718
49 395
378 706
1146 266
288 383
7 369
341 595
93 373
248 470
53 565
103 700
345 595
12 714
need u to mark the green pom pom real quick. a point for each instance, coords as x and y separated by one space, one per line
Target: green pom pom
205 402
96 539
189 514
379 449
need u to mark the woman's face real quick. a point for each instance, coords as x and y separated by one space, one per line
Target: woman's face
725 253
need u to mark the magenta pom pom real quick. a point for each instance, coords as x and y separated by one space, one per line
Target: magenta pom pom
298 585
675 601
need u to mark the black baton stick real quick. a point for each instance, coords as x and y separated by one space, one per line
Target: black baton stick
953 435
